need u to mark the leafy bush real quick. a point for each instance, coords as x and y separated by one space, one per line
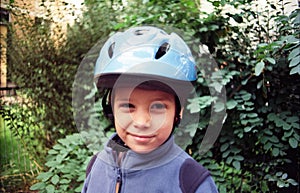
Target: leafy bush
67 161
23 124
19 145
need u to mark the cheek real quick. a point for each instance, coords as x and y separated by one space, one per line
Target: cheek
164 123
158 121
122 120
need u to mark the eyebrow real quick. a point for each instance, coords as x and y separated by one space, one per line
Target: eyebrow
163 99
154 99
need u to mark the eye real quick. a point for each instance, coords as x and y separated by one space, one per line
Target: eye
158 107
126 107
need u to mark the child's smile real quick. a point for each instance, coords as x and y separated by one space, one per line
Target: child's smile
143 118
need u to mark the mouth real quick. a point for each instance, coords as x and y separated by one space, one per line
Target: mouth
141 139
141 136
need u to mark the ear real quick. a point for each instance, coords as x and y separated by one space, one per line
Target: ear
178 117
181 112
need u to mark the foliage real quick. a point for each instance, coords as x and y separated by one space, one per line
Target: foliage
43 63
23 124
33 54
67 161
19 146
261 133
257 52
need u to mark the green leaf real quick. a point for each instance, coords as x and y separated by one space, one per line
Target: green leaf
264 139
292 181
44 176
280 184
271 60
219 106
229 159
248 128
279 122
267 145
287 134
259 68
79 188
275 152
239 157
295 52
58 147
295 61
252 115
284 176
217 86
295 70
65 181
291 39
225 154
38 186
55 179
81 177
52 164
237 165
244 82
286 126
203 29
231 104
274 139
293 142
272 116
194 107
292 119
246 96
259 84
52 151
224 147
50 188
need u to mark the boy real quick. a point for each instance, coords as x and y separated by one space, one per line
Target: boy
146 75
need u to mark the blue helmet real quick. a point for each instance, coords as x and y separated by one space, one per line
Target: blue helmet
145 52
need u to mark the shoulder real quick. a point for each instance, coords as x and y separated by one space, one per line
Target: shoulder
207 186
91 163
193 177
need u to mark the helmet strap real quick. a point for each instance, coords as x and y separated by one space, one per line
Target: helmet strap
106 105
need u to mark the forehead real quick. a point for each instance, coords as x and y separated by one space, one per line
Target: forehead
140 93
151 85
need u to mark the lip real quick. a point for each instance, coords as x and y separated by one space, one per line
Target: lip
141 138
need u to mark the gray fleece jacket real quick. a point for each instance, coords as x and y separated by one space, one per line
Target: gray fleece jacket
167 169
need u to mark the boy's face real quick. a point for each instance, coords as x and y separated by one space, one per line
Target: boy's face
143 118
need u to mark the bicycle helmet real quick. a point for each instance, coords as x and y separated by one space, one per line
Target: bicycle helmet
144 51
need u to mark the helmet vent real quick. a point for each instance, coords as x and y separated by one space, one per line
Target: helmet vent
162 50
140 32
111 50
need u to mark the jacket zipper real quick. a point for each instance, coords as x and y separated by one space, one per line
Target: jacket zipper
118 181
119 156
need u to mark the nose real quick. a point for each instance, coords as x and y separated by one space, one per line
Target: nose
142 119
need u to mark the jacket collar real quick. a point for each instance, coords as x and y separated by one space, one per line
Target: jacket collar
118 155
